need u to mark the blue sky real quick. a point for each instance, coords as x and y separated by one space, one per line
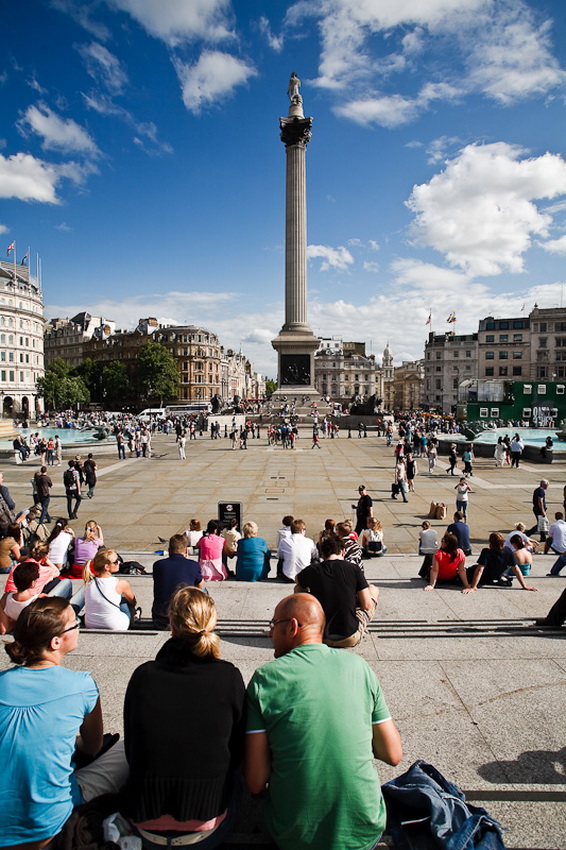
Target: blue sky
140 158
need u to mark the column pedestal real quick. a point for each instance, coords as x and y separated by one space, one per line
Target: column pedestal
295 356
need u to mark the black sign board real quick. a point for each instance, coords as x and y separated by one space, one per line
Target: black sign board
228 511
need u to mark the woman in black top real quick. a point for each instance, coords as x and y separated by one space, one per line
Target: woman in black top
183 729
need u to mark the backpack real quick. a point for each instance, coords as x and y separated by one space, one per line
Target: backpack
69 479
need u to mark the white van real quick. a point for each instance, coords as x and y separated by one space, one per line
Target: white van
153 413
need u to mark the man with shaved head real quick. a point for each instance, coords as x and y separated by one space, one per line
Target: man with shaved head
316 719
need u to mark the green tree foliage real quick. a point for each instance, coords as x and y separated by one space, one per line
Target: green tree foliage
270 386
90 371
60 388
116 385
157 373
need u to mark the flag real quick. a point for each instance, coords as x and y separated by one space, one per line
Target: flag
429 320
451 318
25 258
10 248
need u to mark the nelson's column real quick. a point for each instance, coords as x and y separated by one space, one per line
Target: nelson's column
296 343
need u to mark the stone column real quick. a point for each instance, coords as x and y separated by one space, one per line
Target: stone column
295 134
296 343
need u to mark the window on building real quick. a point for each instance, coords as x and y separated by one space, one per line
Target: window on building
560 355
456 354
438 355
517 355
11 378
503 326
541 389
455 383
503 371
517 370
542 371
468 368
543 327
559 327
504 355
490 326
519 323
490 355
484 412
489 372
438 369
438 384
561 371
560 388
543 342
560 342
490 337
517 337
503 337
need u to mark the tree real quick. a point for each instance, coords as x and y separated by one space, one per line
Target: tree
157 373
60 389
270 386
90 371
116 385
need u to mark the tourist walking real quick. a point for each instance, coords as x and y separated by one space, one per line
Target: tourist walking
462 489
517 447
452 459
89 469
500 452
467 457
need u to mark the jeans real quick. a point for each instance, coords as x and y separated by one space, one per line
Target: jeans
557 565
72 495
45 510
463 507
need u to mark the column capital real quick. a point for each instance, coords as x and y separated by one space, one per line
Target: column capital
295 131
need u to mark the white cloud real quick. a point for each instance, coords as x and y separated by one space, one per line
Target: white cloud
80 12
103 66
175 21
333 258
555 246
371 266
499 48
26 178
438 148
64 227
275 42
3 228
373 245
58 133
214 76
146 132
387 111
480 212
512 59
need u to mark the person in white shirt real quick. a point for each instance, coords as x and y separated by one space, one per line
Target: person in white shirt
556 539
296 550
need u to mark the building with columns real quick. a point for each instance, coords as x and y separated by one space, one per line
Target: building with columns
408 383
21 341
449 360
342 370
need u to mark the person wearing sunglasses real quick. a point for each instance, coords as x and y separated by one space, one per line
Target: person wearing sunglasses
109 602
47 713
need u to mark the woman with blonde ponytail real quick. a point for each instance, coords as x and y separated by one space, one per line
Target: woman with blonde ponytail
183 730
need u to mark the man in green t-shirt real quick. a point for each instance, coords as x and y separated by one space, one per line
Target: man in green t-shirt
316 719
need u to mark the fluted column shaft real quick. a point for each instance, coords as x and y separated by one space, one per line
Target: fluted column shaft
296 239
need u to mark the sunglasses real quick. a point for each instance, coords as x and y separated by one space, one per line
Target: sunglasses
72 628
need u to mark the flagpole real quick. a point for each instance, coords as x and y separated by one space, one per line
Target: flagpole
15 255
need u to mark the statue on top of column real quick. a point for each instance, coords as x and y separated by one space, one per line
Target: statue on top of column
293 90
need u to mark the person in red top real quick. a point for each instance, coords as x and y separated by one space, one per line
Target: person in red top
448 563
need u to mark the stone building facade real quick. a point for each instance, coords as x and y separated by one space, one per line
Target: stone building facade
65 339
21 341
504 349
449 360
343 370
547 344
408 383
